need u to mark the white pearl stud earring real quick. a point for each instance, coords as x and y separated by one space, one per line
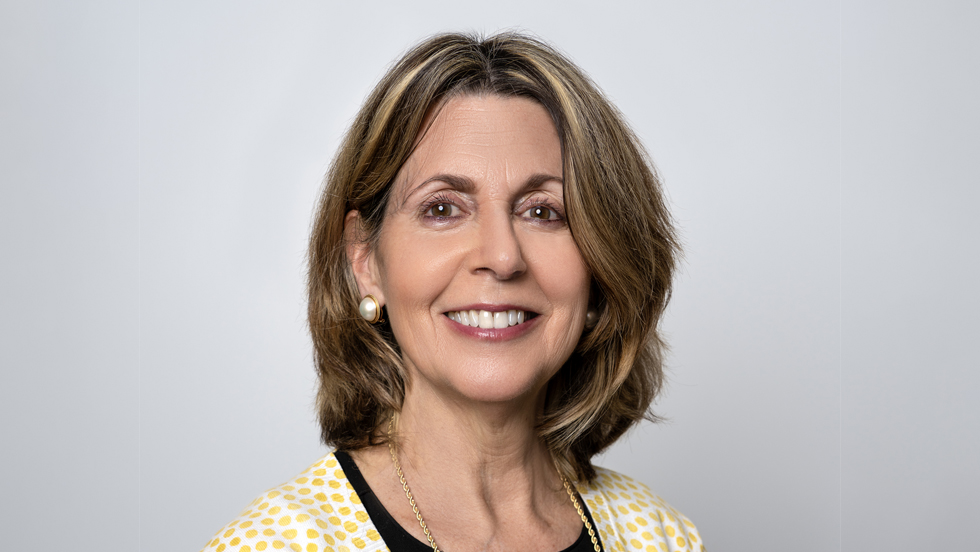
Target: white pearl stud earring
370 309
591 318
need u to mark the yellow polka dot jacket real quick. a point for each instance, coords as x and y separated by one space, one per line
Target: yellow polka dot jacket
319 511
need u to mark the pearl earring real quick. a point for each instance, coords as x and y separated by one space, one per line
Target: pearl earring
591 318
370 309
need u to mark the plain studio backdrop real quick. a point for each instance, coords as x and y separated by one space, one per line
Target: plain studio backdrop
160 163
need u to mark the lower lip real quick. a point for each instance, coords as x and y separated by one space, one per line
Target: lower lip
493 334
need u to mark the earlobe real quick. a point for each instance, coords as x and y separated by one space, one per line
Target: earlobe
361 258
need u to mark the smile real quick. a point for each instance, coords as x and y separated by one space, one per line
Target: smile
489 320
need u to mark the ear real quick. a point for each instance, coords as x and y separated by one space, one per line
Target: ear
362 258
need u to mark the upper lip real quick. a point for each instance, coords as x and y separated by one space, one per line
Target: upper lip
489 308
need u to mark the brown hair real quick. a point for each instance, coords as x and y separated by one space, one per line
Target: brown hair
615 210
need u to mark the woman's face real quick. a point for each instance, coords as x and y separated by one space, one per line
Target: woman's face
476 225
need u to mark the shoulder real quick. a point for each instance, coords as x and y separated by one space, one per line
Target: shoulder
629 516
316 510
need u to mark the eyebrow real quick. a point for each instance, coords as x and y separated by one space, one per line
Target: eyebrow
455 181
467 186
538 179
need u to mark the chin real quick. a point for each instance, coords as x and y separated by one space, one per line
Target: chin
498 384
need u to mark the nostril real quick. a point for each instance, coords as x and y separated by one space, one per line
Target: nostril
499 251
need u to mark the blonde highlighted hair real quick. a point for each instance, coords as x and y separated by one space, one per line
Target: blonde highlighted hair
615 210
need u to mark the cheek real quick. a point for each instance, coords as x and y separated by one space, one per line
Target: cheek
415 270
564 274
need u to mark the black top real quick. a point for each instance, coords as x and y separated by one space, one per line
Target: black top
397 538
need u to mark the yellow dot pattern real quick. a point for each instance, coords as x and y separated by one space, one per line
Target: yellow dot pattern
318 511
629 517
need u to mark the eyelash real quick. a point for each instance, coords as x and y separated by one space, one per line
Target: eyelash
559 213
436 200
447 199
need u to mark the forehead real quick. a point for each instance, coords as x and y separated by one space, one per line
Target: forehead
489 114
489 138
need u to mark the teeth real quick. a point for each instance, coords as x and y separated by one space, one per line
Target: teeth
488 320
500 320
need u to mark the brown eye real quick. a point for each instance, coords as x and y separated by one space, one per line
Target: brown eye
541 212
441 210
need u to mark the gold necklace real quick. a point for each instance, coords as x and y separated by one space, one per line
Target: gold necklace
425 529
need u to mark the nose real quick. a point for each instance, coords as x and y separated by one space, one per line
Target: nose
498 248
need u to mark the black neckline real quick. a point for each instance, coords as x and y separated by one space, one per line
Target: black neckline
398 539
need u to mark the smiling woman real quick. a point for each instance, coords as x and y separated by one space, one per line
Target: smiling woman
475 228
503 236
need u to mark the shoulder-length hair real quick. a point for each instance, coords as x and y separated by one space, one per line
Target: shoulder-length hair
615 210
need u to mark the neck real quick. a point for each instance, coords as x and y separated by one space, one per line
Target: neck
483 445
480 475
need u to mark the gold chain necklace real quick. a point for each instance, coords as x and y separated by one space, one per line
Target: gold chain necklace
425 528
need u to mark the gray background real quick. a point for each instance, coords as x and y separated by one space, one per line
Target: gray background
159 165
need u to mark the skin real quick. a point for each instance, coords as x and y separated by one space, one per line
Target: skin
476 218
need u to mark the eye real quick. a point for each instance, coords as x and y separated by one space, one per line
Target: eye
442 210
542 212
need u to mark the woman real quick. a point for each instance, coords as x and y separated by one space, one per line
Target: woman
488 267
